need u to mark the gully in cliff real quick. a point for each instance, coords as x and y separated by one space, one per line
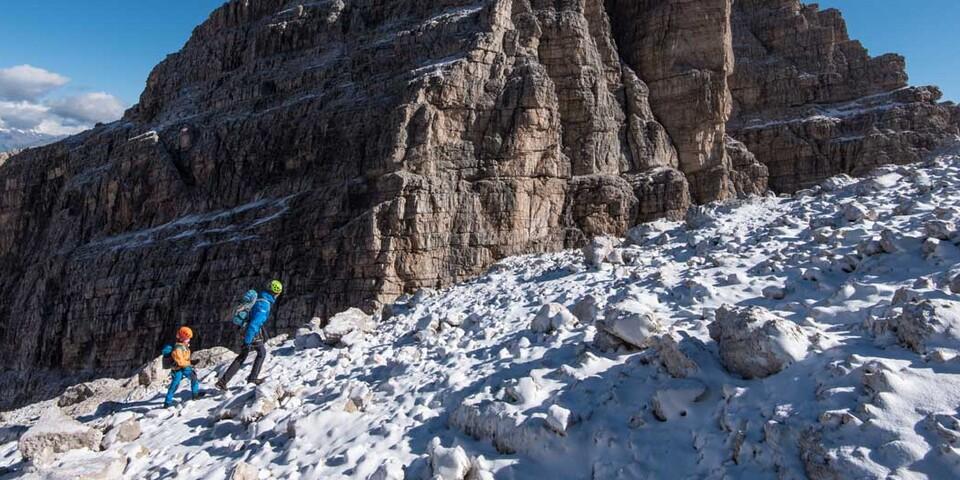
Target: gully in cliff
254 337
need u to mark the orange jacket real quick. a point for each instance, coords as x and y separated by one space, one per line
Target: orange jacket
181 355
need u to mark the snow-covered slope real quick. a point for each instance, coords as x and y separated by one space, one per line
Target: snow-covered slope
836 303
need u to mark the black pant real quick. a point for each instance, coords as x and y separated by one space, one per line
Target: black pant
238 362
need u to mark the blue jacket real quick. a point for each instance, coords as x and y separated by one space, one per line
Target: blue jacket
258 316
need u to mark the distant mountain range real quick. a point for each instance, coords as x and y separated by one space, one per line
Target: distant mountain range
15 139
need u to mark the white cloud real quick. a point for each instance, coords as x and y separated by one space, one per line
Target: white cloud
89 107
26 106
22 115
26 82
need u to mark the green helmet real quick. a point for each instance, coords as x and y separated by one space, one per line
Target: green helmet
275 287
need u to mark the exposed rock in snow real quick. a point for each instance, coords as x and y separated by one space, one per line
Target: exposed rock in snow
630 322
340 327
697 217
927 324
266 399
855 212
552 317
677 363
599 251
586 309
56 433
955 283
244 471
123 429
774 292
310 336
151 372
755 343
939 229
75 395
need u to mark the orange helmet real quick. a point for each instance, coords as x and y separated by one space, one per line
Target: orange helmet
184 333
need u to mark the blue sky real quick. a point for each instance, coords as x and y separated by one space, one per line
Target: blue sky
93 56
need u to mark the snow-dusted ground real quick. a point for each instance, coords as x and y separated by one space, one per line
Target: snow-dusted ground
852 276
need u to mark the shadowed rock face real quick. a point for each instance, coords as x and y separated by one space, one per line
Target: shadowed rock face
358 150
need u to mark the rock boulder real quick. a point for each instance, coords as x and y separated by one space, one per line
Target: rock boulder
755 343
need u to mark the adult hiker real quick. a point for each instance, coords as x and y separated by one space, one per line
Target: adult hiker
253 338
182 368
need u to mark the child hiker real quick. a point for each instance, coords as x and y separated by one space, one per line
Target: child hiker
181 366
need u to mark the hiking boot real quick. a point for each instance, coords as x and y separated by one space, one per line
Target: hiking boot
255 381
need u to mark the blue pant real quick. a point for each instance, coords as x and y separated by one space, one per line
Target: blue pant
176 376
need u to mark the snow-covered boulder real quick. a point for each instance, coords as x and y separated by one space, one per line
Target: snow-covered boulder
854 212
447 463
358 397
954 283
888 241
673 360
939 229
266 398
552 317
340 327
558 418
697 217
123 429
309 336
774 292
630 322
586 309
598 251
90 394
928 324
836 182
755 343
151 373
56 433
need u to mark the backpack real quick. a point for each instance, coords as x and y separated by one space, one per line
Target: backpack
167 362
241 312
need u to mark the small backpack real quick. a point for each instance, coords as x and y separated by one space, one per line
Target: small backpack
240 313
167 361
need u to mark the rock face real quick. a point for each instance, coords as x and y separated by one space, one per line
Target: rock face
359 151
810 102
